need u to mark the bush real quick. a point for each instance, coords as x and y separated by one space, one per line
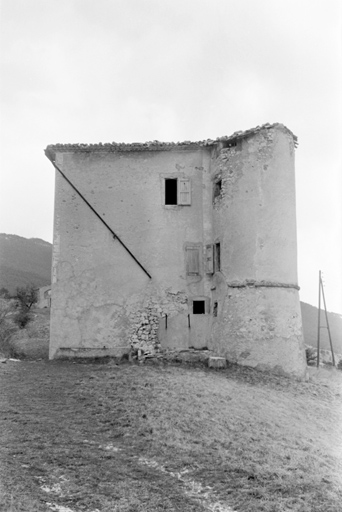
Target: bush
26 296
311 356
339 365
22 318
4 293
7 327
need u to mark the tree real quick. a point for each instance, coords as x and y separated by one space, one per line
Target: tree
26 296
7 328
4 293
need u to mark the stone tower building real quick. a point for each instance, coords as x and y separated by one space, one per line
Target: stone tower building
178 245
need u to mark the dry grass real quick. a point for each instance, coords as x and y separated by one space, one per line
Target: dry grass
150 438
32 342
271 444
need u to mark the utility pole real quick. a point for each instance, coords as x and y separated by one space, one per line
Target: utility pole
321 293
319 317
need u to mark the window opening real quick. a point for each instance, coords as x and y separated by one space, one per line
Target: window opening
230 144
215 309
171 191
217 188
217 257
198 307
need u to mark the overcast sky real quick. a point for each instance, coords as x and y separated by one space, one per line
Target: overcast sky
138 70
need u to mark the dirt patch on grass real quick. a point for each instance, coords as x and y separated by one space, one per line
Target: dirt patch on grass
166 437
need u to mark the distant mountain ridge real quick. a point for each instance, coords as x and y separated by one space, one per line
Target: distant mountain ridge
310 328
24 261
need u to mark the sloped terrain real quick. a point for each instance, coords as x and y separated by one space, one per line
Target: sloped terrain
130 437
24 262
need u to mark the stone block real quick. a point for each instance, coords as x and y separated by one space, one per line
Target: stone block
217 362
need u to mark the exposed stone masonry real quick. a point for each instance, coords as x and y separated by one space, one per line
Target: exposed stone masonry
145 322
226 172
144 340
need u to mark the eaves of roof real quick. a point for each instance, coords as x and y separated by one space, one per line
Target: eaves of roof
156 145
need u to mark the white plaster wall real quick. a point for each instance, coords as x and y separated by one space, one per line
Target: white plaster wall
261 328
99 291
256 217
103 301
259 321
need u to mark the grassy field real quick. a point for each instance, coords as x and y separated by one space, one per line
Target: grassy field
163 437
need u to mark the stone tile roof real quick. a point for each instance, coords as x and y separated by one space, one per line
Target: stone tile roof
156 145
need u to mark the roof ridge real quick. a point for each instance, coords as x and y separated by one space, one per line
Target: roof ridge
155 144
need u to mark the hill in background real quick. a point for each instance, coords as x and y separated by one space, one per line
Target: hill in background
24 261
310 326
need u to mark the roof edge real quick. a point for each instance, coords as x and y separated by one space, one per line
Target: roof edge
156 145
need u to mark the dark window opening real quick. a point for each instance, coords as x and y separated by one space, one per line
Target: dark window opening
198 307
230 144
215 309
217 257
217 188
171 191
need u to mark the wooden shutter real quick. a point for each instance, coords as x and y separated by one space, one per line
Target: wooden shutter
209 258
184 191
192 261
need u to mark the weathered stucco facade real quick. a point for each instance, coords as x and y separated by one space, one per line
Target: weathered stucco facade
213 223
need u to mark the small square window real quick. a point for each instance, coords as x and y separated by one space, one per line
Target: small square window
198 307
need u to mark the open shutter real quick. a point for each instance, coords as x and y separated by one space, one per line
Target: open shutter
209 258
184 191
192 261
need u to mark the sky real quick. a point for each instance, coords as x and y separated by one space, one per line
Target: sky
171 70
